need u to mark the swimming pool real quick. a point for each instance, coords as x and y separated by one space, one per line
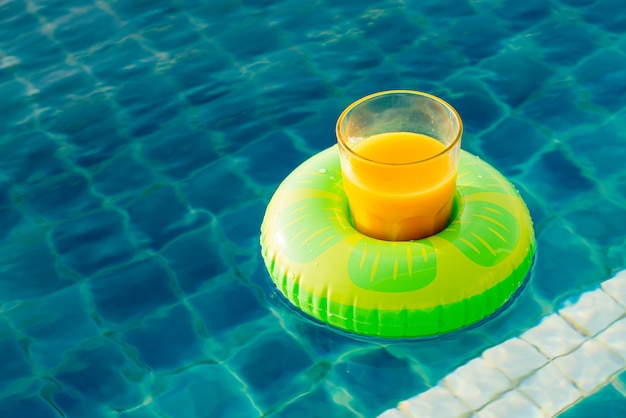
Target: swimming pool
142 140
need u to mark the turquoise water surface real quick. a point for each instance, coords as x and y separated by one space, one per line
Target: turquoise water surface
140 142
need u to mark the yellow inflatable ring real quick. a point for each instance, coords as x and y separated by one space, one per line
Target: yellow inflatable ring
445 282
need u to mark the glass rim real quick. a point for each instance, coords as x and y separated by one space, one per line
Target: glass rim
446 105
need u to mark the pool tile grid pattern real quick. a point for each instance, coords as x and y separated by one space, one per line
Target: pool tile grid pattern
569 355
125 257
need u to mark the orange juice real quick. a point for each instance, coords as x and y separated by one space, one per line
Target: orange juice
400 185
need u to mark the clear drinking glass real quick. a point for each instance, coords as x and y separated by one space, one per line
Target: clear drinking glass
399 153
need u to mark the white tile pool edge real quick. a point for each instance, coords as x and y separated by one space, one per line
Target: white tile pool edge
543 371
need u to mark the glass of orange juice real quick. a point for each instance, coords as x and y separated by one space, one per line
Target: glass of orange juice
399 153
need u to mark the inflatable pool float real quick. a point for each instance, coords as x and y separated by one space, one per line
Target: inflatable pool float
402 289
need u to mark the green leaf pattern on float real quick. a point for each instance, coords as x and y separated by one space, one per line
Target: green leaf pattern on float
306 234
488 233
401 267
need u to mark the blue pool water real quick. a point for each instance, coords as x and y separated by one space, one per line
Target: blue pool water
141 140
